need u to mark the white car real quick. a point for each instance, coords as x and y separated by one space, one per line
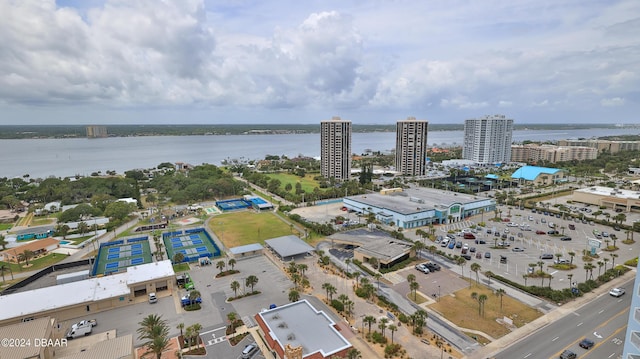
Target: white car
616 292
512 224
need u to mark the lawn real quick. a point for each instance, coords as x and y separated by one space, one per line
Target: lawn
79 240
35 263
307 182
241 228
43 221
5 226
462 310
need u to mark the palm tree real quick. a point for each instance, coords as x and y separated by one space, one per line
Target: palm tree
481 299
411 278
461 262
83 227
232 263
417 247
500 293
606 260
488 274
327 286
525 276
570 276
194 294
357 275
232 317
25 256
474 295
195 333
302 268
234 287
294 295
347 261
571 255
613 260
178 258
475 267
3 242
413 286
251 281
220 265
4 268
181 327
369 320
383 325
600 264
156 331
392 328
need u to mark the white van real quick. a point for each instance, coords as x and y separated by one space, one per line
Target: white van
153 298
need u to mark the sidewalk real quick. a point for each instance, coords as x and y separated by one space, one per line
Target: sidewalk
496 346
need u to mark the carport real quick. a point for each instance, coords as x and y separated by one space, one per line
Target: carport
288 247
246 251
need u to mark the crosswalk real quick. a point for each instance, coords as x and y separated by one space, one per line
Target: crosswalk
394 278
457 226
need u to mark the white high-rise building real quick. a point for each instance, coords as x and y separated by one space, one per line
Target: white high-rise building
488 139
335 143
411 147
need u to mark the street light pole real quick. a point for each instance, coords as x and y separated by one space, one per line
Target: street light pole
438 293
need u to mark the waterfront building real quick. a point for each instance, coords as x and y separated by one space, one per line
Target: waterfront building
96 131
533 152
488 139
335 143
418 207
610 146
411 147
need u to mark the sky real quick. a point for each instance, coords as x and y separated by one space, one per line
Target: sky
292 61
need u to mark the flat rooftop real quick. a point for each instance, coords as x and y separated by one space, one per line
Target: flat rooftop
300 324
374 243
415 200
610 192
24 304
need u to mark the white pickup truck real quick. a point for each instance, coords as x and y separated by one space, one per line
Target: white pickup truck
81 328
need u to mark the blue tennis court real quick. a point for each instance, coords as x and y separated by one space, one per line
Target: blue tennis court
191 243
197 241
116 256
201 249
176 239
177 245
193 236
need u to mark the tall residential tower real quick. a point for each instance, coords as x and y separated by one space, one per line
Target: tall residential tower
411 147
335 143
488 139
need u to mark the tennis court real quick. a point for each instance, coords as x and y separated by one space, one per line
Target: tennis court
192 243
233 204
114 257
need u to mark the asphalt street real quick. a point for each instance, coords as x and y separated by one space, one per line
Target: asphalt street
602 320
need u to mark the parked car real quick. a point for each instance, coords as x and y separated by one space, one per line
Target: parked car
186 301
468 235
561 261
153 298
552 232
617 292
487 254
466 256
444 242
422 268
472 249
433 266
586 343
546 256
452 244
605 234
518 249
458 244
249 350
616 228
540 232
480 241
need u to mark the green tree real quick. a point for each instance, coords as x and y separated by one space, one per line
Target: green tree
414 286
234 287
3 242
500 293
251 281
178 258
392 328
155 331
369 320
193 296
232 263
119 210
220 265
25 256
5 268
383 325
83 228
354 353
294 295
475 267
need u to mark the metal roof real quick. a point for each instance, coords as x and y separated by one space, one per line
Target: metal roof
288 246
246 248
530 173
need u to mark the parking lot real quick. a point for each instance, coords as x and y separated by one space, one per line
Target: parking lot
272 284
534 240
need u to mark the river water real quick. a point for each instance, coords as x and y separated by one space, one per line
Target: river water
41 158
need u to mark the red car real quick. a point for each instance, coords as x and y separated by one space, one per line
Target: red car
540 232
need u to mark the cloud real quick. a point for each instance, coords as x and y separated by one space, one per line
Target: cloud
380 59
612 102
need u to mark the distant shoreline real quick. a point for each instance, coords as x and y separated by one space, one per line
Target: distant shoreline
79 131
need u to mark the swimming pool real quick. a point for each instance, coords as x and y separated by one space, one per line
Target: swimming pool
64 242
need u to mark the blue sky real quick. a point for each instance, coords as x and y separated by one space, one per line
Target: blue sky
237 61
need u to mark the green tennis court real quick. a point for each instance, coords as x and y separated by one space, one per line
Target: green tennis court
115 257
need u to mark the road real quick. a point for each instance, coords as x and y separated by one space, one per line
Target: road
603 320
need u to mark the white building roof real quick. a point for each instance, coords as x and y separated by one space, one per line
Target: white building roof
300 324
25 304
610 192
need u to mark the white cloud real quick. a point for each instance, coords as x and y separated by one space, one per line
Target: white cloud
612 102
375 58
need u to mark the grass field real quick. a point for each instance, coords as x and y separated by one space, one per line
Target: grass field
240 228
462 310
307 182
35 263
5 226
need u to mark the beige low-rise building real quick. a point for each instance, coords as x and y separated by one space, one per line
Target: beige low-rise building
81 298
622 199
534 153
610 146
